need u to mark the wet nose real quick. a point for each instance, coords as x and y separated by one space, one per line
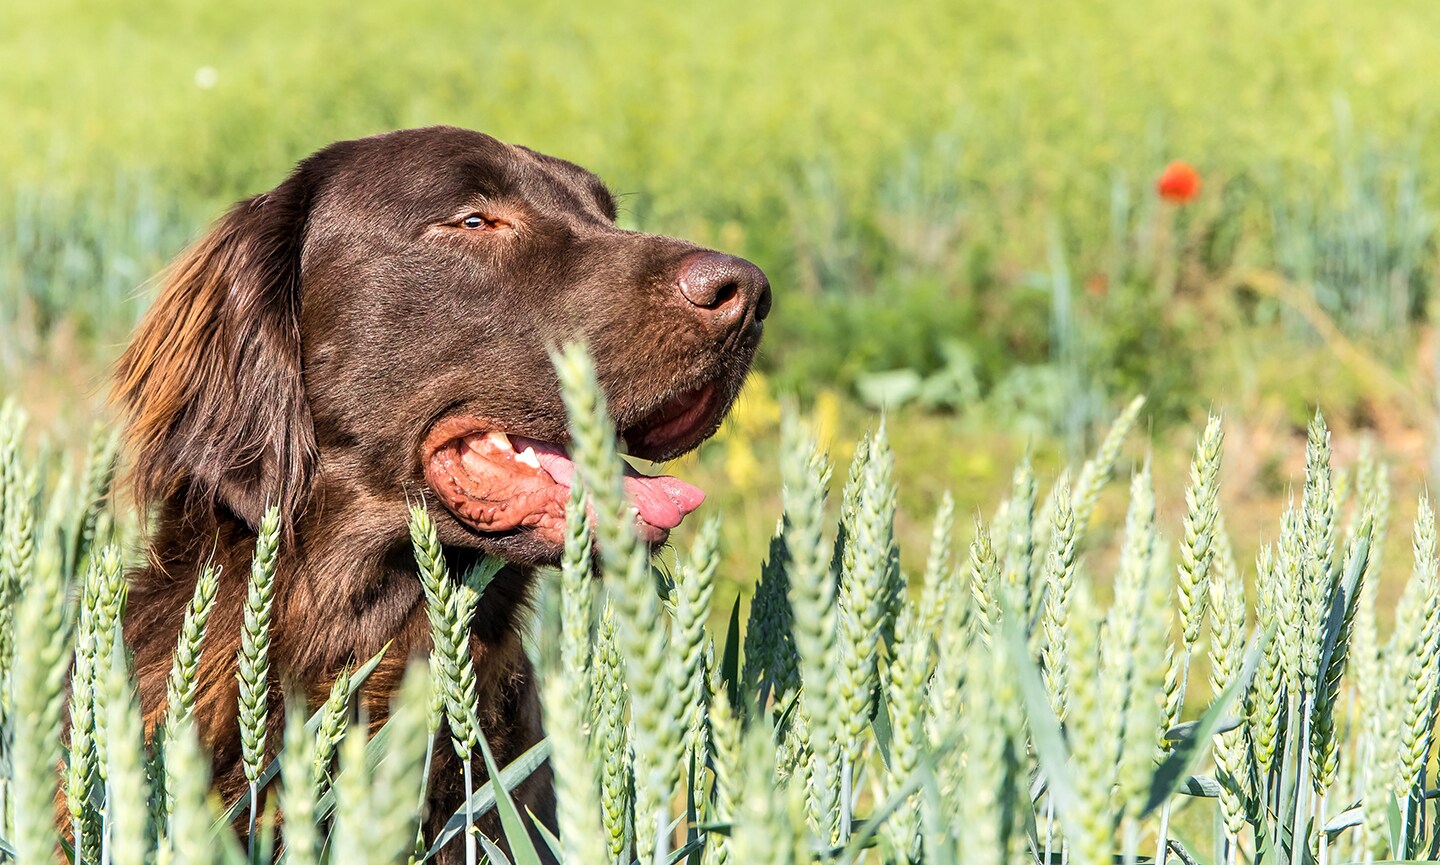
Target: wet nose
728 292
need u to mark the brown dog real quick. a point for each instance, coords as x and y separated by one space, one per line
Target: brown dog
373 331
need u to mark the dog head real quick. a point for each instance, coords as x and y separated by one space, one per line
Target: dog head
380 325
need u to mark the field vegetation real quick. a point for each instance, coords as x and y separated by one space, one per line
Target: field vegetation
958 207
955 201
988 711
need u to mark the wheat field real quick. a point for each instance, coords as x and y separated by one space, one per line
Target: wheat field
987 710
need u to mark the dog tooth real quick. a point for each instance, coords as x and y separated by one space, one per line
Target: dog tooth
499 440
529 458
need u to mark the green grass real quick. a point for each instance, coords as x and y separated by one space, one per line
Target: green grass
711 107
912 177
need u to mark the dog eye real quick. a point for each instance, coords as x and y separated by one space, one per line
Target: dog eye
479 222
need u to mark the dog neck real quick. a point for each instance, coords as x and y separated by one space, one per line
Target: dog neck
341 595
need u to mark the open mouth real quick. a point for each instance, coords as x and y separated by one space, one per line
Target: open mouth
497 481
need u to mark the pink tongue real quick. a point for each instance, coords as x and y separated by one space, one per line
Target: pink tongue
662 500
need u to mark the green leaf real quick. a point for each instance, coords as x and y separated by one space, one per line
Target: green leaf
1303 839
550 840
1344 599
483 799
493 853
1434 852
1187 729
1393 820
231 853
1270 854
1201 786
1188 752
692 811
880 726
888 388
1344 820
865 831
521 845
691 849
1045 733
730 660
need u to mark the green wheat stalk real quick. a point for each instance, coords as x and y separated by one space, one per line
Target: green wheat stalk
1120 639
1227 645
17 555
110 591
769 818
37 691
610 740
1097 471
101 461
1089 822
577 596
1197 548
253 674
1420 664
644 634
1018 594
126 811
300 777
334 715
905 685
984 584
694 588
353 802
1317 515
449 608
804 472
939 585
189 839
994 774
1325 747
82 789
863 602
180 686
726 739
576 790
1059 581
392 822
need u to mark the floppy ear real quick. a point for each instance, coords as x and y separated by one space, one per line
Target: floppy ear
211 384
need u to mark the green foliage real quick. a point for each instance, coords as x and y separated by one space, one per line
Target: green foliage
180 687
957 203
1365 243
996 714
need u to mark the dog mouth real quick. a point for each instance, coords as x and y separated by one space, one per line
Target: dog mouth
497 481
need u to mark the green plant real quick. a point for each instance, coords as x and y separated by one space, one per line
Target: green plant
995 714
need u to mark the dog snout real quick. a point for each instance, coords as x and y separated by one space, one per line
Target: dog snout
727 292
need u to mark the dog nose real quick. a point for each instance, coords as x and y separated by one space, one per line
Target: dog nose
728 291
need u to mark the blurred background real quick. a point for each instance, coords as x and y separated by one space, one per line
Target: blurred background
969 210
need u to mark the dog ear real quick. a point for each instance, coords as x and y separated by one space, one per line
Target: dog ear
211 384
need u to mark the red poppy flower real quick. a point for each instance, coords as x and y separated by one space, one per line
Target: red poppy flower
1178 183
